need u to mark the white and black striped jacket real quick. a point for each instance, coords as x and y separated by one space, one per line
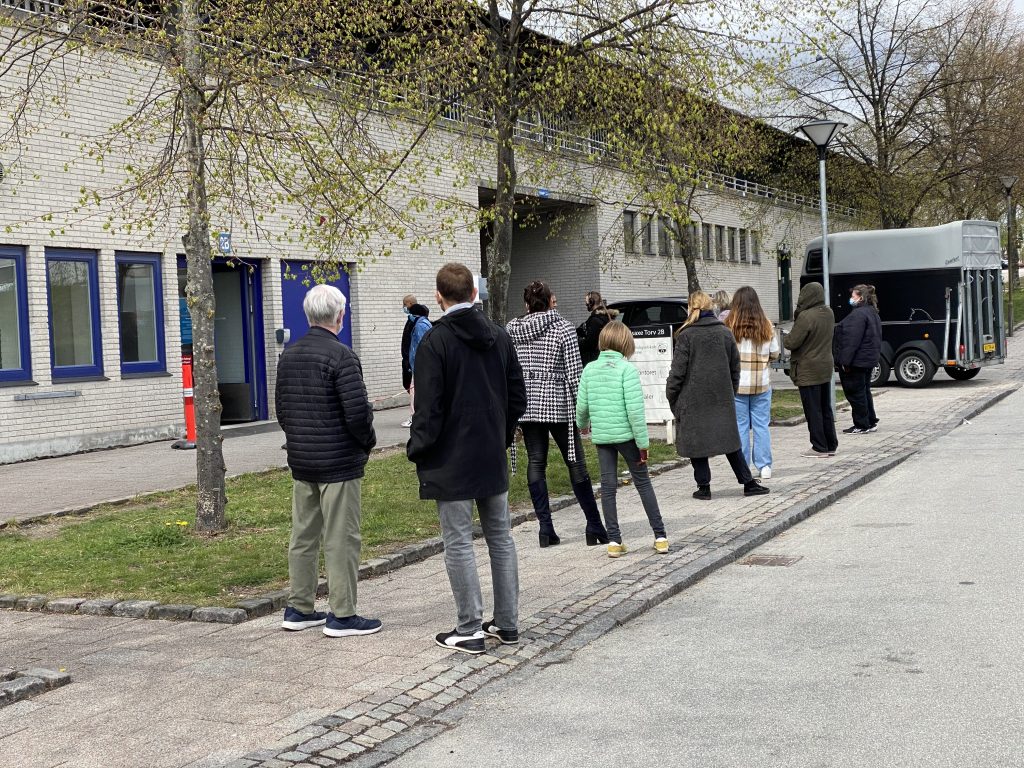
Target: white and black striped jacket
549 354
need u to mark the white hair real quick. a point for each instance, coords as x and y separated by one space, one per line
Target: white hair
323 304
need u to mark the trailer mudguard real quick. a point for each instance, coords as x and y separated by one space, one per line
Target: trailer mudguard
887 353
925 346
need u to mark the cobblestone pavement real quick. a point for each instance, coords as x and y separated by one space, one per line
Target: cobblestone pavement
155 693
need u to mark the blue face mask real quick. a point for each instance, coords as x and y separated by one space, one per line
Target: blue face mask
853 302
406 310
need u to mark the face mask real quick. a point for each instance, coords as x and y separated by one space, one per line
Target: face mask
406 310
853 302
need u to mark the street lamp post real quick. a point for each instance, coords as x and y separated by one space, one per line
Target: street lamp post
820 133
1011 248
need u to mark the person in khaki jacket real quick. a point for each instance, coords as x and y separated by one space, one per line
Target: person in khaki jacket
811 366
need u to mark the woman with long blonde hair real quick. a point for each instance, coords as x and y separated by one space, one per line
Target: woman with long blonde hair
701 388
755 338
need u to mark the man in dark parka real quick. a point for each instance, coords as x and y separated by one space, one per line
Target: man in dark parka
811 367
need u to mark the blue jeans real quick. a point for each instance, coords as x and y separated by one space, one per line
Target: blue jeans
460 561
753 412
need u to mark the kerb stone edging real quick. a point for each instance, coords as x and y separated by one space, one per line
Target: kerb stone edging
265 604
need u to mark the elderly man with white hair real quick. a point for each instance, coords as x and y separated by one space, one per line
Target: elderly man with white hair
328 422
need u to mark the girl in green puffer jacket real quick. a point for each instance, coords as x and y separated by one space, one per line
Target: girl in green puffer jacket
611 401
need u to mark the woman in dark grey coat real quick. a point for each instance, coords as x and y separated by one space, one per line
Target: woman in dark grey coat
701 388
811 366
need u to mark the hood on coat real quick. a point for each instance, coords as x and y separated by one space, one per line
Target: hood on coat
471 327
525 330
811 295
418 310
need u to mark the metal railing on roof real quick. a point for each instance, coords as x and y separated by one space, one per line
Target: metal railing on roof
552 133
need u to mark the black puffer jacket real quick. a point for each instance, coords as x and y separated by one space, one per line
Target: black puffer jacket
589 333
469 397
858 338
322 407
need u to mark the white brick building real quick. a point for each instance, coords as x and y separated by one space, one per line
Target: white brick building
90 326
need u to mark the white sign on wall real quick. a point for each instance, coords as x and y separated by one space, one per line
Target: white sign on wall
653 358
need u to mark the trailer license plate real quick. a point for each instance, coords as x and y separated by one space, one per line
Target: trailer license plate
988 348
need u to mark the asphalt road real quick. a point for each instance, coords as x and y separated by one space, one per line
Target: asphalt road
893 640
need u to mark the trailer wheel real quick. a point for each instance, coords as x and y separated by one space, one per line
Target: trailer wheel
880 373
914 369
961 374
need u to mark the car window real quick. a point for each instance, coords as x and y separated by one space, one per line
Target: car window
673 313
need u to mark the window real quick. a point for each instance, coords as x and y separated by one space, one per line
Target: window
743 244
755 248
72 285
731 236
665 238
629 231
140 312
15 361
648 243
720 253
706 245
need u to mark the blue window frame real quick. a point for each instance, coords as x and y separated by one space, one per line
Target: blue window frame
15 357
72 288
140 312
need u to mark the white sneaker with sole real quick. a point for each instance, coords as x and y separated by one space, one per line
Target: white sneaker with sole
766 473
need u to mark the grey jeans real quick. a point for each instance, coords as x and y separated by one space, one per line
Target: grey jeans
460 561
608 458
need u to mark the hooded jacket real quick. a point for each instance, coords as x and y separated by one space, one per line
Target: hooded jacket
589 332
416 326
469 397
550 356
858 338
611 398
810 339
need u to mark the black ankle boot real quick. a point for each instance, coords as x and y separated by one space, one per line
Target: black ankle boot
595 533
542 508
703 492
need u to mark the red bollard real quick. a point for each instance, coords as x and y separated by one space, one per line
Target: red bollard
190 410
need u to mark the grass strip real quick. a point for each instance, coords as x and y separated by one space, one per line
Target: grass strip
147 549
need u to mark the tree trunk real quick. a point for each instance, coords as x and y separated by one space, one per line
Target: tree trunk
688 250
499 265
210 496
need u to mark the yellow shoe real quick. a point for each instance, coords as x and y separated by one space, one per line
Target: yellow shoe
661 545
616 550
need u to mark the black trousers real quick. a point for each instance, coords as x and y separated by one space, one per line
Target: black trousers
702 468
535 435
857 387
821 424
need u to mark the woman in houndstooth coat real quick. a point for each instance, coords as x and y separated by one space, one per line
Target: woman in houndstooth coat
550 357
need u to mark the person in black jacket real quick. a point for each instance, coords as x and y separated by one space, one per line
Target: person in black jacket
470 394
857 345
590 330
328 422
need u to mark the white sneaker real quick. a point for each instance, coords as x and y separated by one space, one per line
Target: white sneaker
766 473
407 423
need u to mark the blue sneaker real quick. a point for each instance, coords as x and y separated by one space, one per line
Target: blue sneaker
348 626
296 620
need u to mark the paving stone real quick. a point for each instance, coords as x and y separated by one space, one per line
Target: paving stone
22 687
396 726
32 602
323 761
172 612
219 615
256 607
64 604
51 678
293 757
9 601
134 609
6 673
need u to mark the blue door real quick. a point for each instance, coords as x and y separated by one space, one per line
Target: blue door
238 338
294 278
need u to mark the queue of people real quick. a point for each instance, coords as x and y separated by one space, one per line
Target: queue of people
475 384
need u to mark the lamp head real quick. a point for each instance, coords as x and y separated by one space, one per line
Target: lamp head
821 132
1008 182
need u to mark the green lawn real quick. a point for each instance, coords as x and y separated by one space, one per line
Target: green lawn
1018 306
786 403
141 549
